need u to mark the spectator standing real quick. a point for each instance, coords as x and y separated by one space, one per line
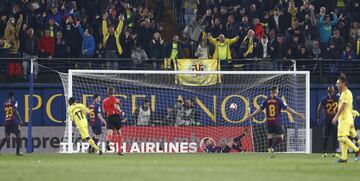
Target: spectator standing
190 113
216 27
145 33
258 28
222 50
354 37
29 50
46 45
180 114
189 7
244 26
174 50
280 50
305 10
88 42
55 15
277 21
207 20
11 35
138 56
156 49
249 45
294 47
316 52
127 42
194 29
143 115
253 12
60 46
53 27
73 37
325 27
231 27
202 51
111 41
337 45
264 48
3 23
30 16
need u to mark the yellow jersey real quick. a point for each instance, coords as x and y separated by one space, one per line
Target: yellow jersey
346 115
222 51
174 51
77 113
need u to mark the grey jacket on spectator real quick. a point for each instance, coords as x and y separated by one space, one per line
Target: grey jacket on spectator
193 30
138 55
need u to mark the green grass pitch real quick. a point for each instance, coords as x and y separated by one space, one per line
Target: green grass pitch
184 167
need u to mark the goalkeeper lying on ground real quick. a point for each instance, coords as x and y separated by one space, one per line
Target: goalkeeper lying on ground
209 146
77 113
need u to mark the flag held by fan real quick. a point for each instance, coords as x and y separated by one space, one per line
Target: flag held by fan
198 66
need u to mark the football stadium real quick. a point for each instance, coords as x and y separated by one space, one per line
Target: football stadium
179 90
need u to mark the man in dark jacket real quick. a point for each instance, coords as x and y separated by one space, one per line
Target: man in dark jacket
72 33
29 48
156 49
174 50
277 22
145 32
336 45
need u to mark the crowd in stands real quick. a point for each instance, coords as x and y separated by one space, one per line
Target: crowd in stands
220 29
275 29
81 29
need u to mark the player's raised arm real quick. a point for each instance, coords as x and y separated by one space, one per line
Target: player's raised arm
292 111
261 108
254 113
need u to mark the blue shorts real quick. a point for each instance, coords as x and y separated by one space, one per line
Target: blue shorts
329 128
275 129
96 129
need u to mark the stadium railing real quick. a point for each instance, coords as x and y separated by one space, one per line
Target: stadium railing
322 71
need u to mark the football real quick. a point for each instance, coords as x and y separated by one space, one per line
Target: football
233 106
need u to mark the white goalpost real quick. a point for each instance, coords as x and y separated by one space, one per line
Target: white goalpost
182 113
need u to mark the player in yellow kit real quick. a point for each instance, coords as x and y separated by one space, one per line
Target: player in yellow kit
77 113
345 119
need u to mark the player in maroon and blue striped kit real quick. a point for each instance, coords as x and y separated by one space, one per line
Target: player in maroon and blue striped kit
273 106
96 120
329 104
13 122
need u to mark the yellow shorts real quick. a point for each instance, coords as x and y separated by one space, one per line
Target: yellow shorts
346 129
84 132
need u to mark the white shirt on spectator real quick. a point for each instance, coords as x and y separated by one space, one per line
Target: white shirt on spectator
202 52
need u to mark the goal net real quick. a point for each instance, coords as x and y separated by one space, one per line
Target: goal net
185 111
